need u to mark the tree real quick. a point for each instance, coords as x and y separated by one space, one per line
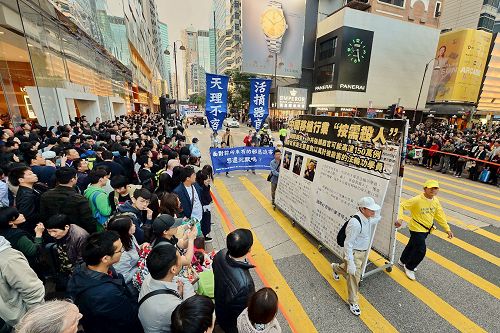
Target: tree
239 89
198 99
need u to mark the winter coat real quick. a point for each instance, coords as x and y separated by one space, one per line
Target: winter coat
28 204
75 240
185 199
104 301
137 217
65 200
245 326
20 288
233 287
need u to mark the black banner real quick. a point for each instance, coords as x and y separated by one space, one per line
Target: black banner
351 141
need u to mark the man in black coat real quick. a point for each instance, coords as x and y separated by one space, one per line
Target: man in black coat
233 283
99 292
27 198
64 199
108 160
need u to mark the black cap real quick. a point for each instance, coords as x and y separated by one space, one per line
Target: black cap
165 222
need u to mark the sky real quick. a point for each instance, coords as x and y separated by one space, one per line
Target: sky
180 14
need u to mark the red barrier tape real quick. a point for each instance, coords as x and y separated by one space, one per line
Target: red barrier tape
451 154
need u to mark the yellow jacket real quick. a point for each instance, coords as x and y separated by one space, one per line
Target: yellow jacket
424 211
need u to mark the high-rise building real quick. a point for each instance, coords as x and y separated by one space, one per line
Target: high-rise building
474 14
190 40
165 63
213 50
419 12
204 59
228 34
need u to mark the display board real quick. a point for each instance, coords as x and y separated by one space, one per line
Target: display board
329 163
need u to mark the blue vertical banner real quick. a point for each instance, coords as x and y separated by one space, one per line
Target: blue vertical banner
216 100
259 101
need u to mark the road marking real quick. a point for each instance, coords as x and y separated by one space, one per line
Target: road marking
460 187
290 306
463 245
369 315
437 304
483 187
463 196
463 273
456 204
487 234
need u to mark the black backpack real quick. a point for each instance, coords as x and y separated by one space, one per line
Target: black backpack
341 235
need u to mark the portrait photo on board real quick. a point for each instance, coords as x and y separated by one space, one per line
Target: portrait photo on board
310 169
287 159
297 164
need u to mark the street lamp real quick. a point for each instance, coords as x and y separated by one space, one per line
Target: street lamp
276 80
421 86
182 48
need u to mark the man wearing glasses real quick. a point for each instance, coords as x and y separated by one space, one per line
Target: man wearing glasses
99 292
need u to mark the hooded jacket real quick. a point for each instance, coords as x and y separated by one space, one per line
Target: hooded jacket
20 288
233 287
101 199
137 218
104 301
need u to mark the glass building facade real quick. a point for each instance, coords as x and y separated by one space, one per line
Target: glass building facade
61 59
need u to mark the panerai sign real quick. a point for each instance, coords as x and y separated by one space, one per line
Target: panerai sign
292 98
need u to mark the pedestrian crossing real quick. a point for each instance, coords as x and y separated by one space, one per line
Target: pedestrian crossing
450 313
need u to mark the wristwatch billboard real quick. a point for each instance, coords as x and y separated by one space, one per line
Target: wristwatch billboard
273 24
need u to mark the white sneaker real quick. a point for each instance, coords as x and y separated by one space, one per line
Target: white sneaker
355 309
410 274
334 265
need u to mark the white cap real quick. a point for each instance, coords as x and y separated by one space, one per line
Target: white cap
368 202
49 154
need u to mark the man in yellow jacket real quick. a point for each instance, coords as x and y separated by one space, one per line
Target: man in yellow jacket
424 210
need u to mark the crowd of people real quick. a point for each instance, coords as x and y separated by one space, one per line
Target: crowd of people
475 151
115 216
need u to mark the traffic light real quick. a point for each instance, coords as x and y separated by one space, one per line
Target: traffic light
165 107
391 109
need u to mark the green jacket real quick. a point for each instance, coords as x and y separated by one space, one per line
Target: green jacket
101 200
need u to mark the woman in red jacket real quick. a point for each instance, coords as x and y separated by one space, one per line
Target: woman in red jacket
432 152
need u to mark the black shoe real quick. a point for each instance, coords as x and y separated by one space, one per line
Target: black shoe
208 239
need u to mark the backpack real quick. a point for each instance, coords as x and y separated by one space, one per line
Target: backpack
101 219
341 235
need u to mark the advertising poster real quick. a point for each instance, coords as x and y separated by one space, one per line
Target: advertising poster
457 71
269 29
292 98
329 163
241 158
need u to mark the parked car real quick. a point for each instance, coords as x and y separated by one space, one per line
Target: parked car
231 122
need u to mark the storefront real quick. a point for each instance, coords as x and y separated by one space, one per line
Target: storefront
291 103
51 71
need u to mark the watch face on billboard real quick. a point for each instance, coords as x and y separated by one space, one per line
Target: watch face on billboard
355 59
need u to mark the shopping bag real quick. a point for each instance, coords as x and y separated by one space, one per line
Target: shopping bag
484 176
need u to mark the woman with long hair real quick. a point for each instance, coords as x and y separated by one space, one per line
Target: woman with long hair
203 185
170 204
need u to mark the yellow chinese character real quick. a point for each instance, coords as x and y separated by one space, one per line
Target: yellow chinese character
371 165
317 126
328 144
377 154
379 167
350 149
309 127
354 130
303 125
369 152
364 162
380 136
366 133
324 127
344 147
357 161
343 130
339 146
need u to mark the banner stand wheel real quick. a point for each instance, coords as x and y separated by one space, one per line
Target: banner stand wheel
388 269
320 247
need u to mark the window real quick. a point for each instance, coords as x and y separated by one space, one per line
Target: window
325 74
486 22
437 10
399 3
492 3
327 48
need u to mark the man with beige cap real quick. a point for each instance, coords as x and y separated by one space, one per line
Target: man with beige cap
424 209
358 234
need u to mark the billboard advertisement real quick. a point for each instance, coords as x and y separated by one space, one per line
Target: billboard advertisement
343 60
273 29
458 69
